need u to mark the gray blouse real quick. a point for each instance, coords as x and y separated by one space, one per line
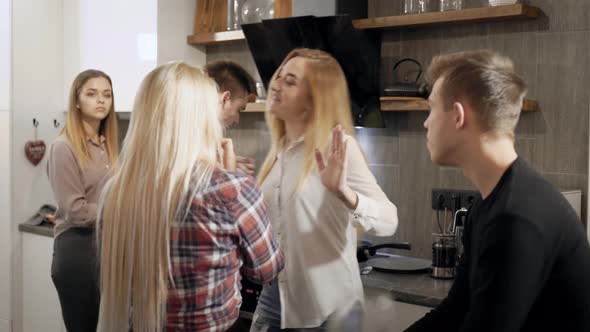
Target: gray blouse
76 189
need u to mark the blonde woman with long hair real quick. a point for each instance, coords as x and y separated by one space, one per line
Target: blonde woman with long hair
78 166
319 189
177 228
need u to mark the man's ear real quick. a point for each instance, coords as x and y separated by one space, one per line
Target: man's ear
225 96
459 115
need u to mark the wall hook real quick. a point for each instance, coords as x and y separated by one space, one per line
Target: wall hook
35 124
56 123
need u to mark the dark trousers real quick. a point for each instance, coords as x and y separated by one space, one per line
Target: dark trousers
75 274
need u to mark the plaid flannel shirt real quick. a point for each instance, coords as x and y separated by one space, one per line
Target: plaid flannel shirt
226 231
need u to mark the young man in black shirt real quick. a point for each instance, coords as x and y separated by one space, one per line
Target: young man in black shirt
526 265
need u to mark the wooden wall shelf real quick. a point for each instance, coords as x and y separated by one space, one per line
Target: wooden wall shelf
209 38
399 104
471 15
211 22
255 107
405 104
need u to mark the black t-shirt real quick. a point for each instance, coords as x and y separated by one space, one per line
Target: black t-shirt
526 265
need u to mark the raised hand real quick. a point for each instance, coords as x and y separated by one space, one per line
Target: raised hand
333 173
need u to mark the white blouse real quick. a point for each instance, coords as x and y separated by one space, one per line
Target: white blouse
317 233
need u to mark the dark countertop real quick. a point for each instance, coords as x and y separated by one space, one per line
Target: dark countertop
44 229
416 288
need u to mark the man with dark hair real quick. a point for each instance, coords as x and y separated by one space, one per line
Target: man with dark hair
236 88
526 262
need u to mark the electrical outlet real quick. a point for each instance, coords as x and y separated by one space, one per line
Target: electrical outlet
452 199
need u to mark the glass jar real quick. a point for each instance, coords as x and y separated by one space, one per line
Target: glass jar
260 92
411 6
254 11
444 256
425 6
451 5
234 19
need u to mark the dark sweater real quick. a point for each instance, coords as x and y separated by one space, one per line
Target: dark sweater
526 265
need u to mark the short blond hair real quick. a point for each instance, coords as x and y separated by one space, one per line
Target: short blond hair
485 80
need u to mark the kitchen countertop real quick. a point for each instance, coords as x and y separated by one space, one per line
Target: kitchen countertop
44 229
417 288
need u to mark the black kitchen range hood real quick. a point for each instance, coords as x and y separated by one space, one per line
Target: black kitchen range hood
357 51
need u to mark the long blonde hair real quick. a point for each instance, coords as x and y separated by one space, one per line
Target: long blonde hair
169 154
74 129
330 102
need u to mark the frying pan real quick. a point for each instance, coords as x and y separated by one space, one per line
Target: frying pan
366 252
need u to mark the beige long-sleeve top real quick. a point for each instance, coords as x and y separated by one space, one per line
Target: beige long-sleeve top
76 189
318 236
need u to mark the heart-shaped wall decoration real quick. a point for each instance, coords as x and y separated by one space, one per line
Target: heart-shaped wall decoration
35 150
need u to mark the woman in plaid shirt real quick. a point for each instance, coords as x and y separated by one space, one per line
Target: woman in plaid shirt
176 228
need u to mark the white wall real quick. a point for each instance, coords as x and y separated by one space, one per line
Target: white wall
117 37
52 41
5 222
175 22
71 47
4 54
37 76
37 92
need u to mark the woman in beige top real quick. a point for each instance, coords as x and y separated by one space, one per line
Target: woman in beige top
79 161
319 190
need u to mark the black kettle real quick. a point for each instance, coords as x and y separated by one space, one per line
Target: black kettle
407 88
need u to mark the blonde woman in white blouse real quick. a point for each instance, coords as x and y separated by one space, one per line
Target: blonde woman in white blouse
319 189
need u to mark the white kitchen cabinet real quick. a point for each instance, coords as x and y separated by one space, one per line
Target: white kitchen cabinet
4 326
41 309
384 314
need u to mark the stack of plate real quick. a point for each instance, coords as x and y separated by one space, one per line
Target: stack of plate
502 2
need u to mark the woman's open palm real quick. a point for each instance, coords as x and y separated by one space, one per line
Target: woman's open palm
333 173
